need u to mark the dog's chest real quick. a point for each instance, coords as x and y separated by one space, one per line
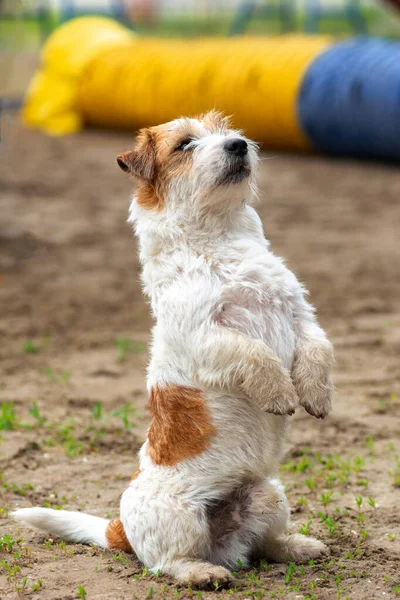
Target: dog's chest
257 299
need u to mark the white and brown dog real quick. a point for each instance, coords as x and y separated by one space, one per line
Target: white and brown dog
236 348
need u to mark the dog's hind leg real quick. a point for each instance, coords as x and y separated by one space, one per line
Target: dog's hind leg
293 548
276 544
170 534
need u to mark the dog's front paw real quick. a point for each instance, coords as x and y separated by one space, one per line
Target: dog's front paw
318 405
283 402
311 375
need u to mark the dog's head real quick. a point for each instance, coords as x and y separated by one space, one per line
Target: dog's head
192 165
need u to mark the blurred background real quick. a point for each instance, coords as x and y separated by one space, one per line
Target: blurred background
318 83
25 24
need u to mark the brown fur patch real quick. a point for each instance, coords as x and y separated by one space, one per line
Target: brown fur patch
140 161
155 160
159 165
116 537
181 426
147 197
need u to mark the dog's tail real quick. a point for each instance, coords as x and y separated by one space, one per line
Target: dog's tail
76 527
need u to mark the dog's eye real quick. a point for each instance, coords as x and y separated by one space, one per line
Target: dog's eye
183 144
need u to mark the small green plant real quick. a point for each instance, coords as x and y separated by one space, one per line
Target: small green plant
35 413
64 436
150 593
264 566
370 443
125 413
57 376
362 482
371 502
119 558
81 592
358 464
305 528
37 585
326 498
20 588
361 517
329 522
291 570
16 489
13 570
126 346
359 501
7 542
382 406
30 347
97 410
8 419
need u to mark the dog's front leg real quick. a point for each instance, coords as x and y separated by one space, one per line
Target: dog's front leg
312 366
234 361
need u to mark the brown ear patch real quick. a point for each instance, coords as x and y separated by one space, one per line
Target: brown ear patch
141 161
116 537
181 426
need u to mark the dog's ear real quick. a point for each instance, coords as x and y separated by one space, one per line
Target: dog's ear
140 161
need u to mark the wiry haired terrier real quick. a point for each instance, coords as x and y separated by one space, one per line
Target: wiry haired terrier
236 348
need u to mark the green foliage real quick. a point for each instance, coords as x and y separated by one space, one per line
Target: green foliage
126 346
291 570
57 376
37 586
30 348
81 592
8 419
125 413
35 413
97 410
7 543
305 528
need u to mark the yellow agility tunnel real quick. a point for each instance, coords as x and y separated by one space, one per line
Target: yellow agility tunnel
96 72
289 91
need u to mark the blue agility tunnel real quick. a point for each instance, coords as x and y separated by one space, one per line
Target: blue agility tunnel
349 99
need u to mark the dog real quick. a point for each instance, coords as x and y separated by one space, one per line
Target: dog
235 350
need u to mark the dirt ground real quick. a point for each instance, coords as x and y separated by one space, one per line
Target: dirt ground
74 328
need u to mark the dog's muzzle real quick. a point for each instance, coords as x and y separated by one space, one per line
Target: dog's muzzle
237 163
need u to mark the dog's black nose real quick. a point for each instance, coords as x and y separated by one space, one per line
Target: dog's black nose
236 146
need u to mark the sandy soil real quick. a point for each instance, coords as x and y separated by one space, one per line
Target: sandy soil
72 328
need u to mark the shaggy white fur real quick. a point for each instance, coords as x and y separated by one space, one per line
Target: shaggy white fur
233 322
